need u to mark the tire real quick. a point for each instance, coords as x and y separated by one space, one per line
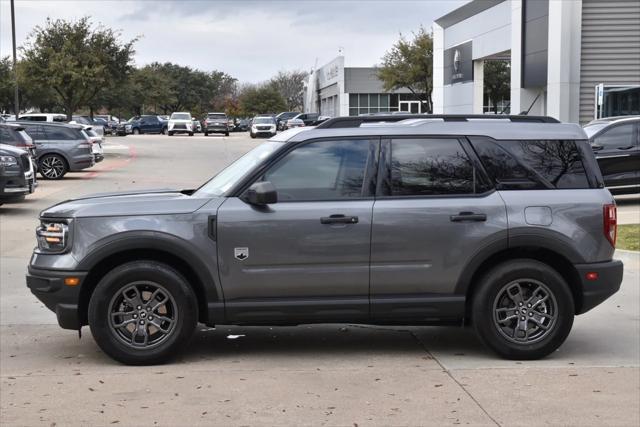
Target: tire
170 133
226 134
513 285
52 167
206 134
163 131
190 133
143 279
136 131
252 135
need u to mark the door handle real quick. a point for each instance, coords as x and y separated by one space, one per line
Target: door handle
339 219
468 216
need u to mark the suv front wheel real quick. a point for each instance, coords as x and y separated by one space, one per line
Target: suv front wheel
142 313
523 309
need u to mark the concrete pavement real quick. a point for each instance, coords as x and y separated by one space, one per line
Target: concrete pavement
306 375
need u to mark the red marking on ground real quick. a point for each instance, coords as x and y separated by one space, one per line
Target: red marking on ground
133 154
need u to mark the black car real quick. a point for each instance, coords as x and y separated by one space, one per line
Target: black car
17 175
147 124
616 144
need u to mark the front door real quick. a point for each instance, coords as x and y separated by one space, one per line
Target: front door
306 257
432 213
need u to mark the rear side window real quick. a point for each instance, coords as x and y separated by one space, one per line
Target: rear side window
517 165
430 167
322 170
62 133
36 132
618 137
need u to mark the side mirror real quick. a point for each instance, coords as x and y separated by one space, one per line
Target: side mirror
261 193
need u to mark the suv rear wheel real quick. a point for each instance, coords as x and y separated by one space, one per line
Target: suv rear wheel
142 313
523 309
52 166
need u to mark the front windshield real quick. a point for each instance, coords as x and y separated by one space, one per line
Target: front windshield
226 179
180 116
591 130
268 120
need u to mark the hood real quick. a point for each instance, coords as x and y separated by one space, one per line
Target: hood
143 202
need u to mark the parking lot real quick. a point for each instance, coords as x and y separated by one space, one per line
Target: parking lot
323 374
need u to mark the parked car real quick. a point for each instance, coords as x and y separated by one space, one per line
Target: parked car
292 123
97 126
14 134
181 122
96 141
17 174
309 119
616 144
216 123
147 124
450 221
243 125
263 126
60 148
281 119
43 117
197 127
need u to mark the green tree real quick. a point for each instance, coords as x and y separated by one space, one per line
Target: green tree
497 78
290 85
262 100
6 84
76 60
409 64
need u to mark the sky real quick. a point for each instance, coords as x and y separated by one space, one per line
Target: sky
250 40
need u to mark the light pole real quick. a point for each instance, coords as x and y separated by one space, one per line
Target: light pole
16 104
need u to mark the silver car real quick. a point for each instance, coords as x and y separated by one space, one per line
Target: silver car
502 224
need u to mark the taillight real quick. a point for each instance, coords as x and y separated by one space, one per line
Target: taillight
610 225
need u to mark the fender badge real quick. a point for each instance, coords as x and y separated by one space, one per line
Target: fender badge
241 253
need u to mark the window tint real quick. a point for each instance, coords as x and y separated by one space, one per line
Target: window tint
425 167
532 164
6 136
61 133
36 132
323 170
620 136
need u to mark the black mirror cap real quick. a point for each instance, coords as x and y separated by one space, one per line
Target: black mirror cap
261 193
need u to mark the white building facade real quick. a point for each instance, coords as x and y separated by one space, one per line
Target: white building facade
574 60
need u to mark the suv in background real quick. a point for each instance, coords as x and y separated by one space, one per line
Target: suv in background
616 144
216 123
43 117
147 124
281 119
309 119
17 174
504 224
180 122
263 126
60 148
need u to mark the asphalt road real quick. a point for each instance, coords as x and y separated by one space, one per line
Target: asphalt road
306 375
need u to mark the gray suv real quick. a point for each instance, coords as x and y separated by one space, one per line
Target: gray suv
60 148
503 224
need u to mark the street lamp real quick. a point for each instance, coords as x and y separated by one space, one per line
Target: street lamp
16 104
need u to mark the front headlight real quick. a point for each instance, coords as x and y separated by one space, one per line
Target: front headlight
8 161
52 236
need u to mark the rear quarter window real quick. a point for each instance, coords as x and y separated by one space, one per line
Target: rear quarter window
537 164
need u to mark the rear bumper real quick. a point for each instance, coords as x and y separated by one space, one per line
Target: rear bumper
82 162
48 286
594 292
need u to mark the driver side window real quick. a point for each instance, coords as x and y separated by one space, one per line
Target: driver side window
322 170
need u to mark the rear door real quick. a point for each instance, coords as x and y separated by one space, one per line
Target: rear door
434 212
306 257
618 153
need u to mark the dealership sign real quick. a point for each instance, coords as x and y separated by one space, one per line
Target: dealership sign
458 64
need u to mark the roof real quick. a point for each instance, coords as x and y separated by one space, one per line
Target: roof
496 129
29 122
616 119
466 11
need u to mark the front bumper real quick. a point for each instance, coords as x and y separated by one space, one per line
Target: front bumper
17 184
48 286
217 129
594 292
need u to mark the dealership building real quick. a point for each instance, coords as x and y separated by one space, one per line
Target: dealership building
335 90
574 60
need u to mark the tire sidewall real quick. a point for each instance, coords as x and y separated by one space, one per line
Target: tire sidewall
64 163
492 283
113 282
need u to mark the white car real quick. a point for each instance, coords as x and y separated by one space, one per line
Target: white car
96 142
263 126
43 117
180 123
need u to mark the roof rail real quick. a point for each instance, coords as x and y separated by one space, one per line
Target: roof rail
356 121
